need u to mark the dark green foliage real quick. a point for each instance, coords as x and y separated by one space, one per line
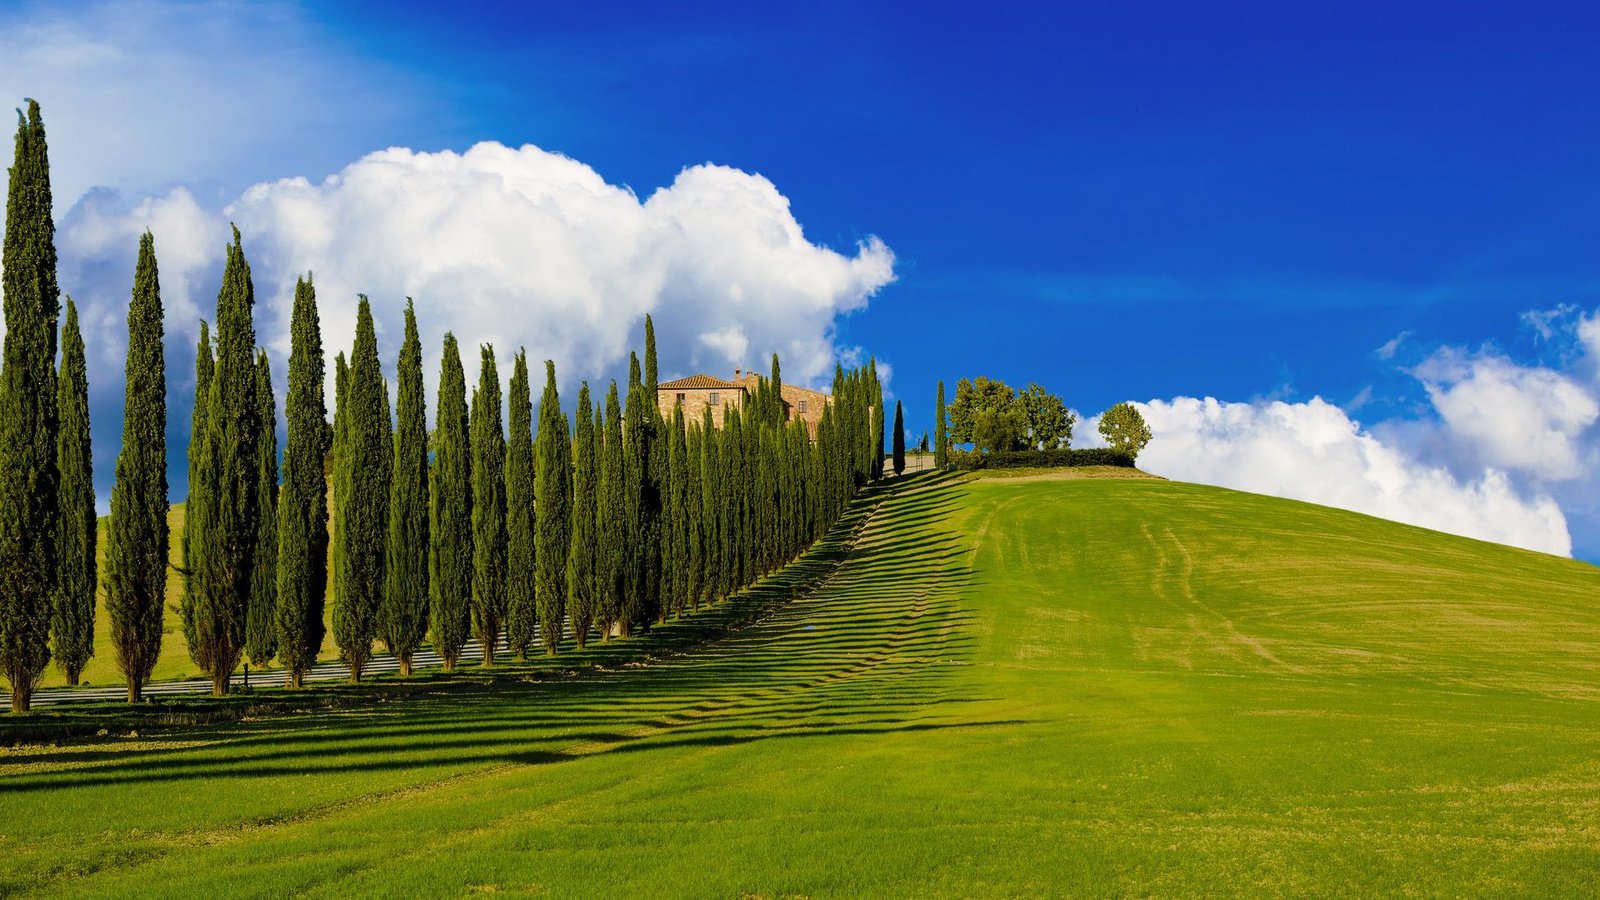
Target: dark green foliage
642 547
693 514
522 601
261 630
875 397
303 497
555 510
899 439
204 366
1046 420
29 514
72 619
224 502
712 481
137 535
674 519
1041 459
488 508
941 438
336 453
582 550
652 371
612 519
403 611
450 513
364 460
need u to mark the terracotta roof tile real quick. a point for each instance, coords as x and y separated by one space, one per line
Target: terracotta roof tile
700 382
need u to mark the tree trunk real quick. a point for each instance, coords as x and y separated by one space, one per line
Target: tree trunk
488 653
447 663
405 665
21 698
355 672
219 684
294 679
73 675
135 690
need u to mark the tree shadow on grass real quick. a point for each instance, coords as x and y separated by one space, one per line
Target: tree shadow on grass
851 640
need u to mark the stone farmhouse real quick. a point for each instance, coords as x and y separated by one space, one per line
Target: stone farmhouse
697 392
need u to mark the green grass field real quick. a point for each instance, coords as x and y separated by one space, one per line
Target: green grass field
1006 687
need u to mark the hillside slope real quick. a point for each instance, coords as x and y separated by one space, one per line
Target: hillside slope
1008 687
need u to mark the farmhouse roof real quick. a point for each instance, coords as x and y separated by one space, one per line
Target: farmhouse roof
700 382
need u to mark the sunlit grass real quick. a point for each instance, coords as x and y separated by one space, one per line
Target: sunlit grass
1009 687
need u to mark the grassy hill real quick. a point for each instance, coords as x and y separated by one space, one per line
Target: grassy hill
1008 686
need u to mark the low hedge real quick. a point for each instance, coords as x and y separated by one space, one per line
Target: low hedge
963 461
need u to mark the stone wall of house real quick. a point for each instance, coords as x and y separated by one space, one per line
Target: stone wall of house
695 401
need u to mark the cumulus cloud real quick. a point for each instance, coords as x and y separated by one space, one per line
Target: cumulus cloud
1531 419
1313 451
518 247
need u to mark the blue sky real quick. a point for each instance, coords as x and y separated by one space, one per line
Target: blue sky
1142 201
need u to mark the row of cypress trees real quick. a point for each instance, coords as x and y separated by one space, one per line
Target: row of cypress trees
532 536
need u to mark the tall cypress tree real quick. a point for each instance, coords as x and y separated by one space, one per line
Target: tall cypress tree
488 508
612 521
450 513
522 603
136 550
555 511
641 549
403 611
261 628
205 366
29 512
675 514
303 498
654 480
582 607
336 474
941 451
875 397
362 516
899 439
72 619
712 480
694 514
225 503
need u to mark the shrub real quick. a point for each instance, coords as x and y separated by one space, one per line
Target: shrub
963 461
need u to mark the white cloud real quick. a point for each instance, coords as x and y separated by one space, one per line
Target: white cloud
1531 419
1392 345
1312 451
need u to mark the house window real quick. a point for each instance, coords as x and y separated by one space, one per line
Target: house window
680 400
802 407
716 398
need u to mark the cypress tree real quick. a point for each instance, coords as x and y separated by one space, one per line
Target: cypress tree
403 611
776 387
225 502
612 520
522 600
303 497
72 619
488 508
450 512
693 515
652 371
261 630
136 552
582 596
675 522
941 451
336 455
555 511
711 482
204 366
733 522
875 396
642 550
899 439
366 455
29 511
